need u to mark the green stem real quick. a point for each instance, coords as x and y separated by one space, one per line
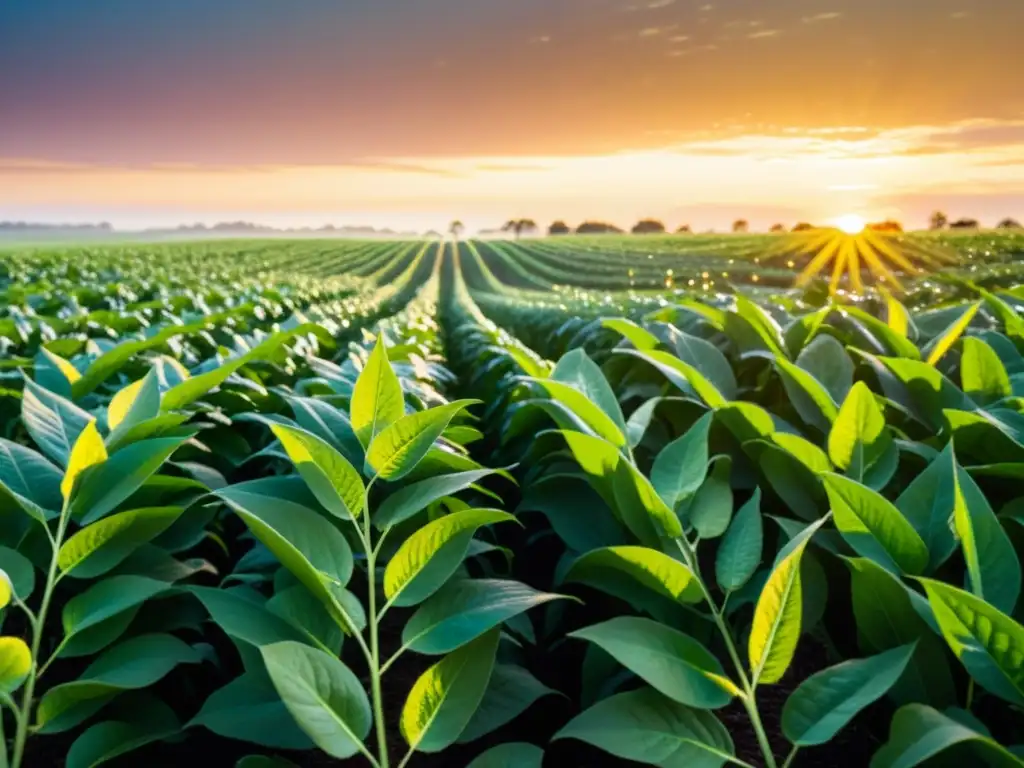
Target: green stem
38 627
3 742
372 621
791 756
970 694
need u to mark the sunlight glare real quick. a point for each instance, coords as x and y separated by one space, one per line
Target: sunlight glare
851 224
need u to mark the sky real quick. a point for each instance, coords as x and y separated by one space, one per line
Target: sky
407 113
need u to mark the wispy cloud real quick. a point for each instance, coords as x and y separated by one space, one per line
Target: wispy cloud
830 16
764 34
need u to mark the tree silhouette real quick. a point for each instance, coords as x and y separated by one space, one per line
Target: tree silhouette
740 225
456 228
803 226
938 220
1008 224
778 228
519 226
597 228
684 229
889 225
965 223
559 228
648 227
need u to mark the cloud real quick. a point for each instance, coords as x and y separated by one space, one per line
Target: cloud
511 168
540 40
764 34
655 4
830 16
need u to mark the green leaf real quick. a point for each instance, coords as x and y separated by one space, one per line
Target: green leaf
97 548
804 451
250 709
54 372
874 527
886 619
665 658
510 692
413 498
883 336
685 377
582 374
305 612
923 390
114 597
710 509
427 559
516 754
778 614
859 436
15 663
706 358
992 566
650 568
642 339
941 344
739 555
579 405
324 697
136 728
442 701
399 447
928 504
825 702
647 727
826 360
681 466
335 483
102 489
982 373
53 422
243 618
575 511
377 399
463 610
305 543
135 404
641 507
17 573
87 452
988 643
919 733
808 396
766 329
30 476
136 663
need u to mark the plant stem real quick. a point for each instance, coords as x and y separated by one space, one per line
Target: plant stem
970 694
791 756
38 627
372 619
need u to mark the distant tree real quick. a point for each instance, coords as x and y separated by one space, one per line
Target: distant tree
648 227
889 225
1008 224
684 229
740 225
778 228
965 223
456 228
803 226
938 220
559 228
518 226
597 228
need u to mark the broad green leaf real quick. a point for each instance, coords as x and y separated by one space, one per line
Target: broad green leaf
988 643
919 733
327 701
377 400
335 483
874 527
763 325
804 451
665 658
88 451
137 727
941 344
510 692
136 403
680 467
640 338
399 447
650 568
242 617
647 727
739 554
684 376
55 373
808 396
882 336
826 701
642 509
710 508
706 358
312 549
516 754
583 374
431 555
746 421
922 389
413 498
250 709
982 374
826 360
575 511
859 436
896 314
30 476
578 403
300 608
134 664
463 610
97 548
53 422
15 663
992 566
886 619
778 614
442 701
104 488
95 618
928 504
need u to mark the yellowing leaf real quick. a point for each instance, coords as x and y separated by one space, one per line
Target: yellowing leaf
377 398
940 345
88 451
15 663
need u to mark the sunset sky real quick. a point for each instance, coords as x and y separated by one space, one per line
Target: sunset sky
406 113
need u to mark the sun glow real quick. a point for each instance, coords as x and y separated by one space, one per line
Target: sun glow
851 224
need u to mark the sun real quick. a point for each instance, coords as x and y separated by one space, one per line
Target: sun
851 224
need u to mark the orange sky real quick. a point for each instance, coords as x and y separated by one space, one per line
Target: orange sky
385 114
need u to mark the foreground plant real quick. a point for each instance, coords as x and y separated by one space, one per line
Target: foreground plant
410 559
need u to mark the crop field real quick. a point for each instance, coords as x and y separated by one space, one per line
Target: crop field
571 501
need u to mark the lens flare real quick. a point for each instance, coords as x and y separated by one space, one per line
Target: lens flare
851 224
